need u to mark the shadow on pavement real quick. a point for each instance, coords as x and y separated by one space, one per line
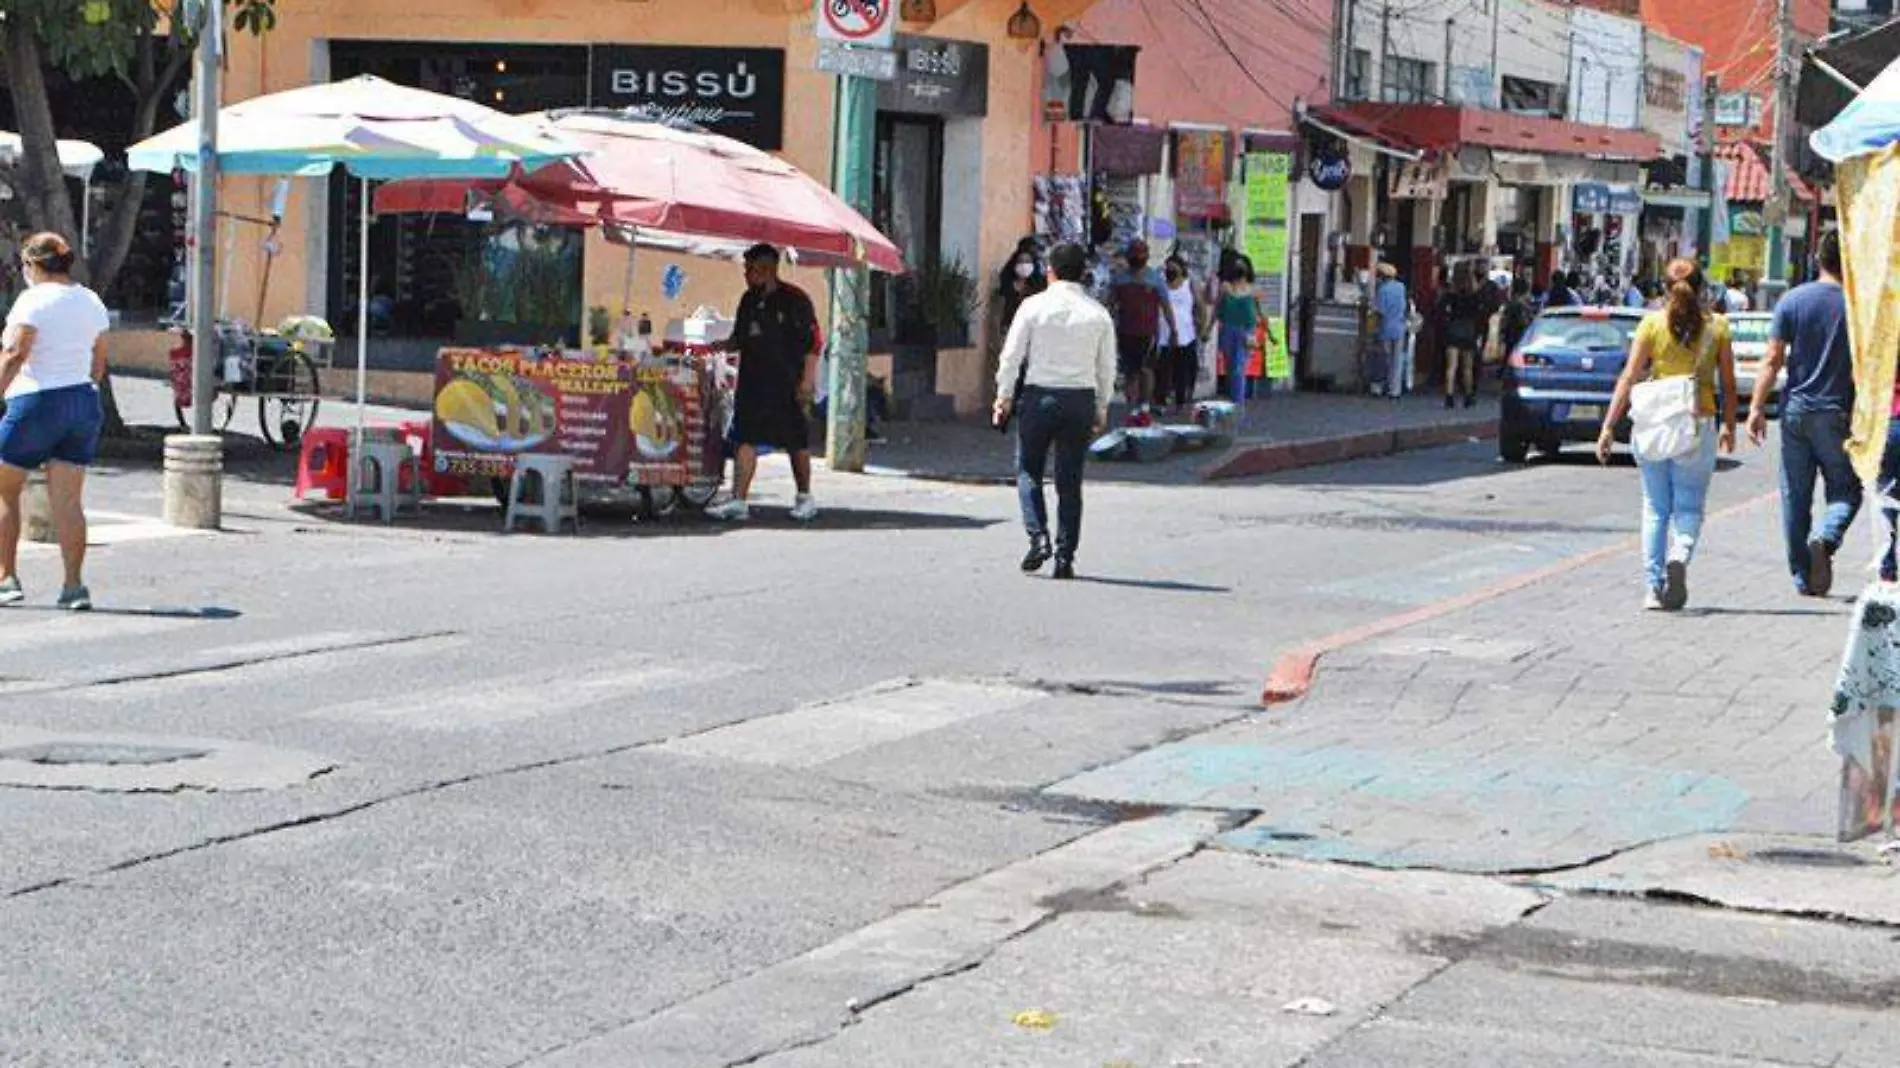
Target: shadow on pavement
143 613
476 517
1159 585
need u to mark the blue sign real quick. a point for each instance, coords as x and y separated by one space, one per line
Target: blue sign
673 282
1329 170
1595 198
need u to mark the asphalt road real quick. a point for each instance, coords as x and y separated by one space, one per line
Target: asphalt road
683 794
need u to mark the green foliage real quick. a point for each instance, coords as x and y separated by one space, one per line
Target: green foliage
947 294
97 38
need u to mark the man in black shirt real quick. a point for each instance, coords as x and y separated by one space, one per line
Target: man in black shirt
776 336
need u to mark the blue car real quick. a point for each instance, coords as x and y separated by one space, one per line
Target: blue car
1559 380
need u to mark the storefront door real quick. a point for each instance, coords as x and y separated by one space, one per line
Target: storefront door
907 207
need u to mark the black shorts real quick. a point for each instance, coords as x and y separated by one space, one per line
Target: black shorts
1136 354
775 421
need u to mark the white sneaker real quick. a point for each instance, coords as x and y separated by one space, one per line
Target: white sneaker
735 510
805 509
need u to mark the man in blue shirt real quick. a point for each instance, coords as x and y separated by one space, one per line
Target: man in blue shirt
1809 338
1395 308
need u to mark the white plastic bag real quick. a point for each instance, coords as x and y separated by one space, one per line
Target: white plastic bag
1662 414
1207 384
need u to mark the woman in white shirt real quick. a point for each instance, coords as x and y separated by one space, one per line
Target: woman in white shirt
1180 348
52 358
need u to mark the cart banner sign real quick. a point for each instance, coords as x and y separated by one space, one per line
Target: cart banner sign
493 406
662 415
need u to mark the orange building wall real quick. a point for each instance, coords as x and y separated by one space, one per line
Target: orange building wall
1737 38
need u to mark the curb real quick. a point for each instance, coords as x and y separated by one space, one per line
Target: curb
1251 461
1292 674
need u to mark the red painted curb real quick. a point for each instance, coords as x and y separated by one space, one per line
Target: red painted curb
1253 461
1293 673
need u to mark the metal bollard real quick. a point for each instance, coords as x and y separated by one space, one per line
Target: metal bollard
194 481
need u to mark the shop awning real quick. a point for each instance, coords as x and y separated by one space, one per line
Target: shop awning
1348 126
1827 69
1675 197
1443 129
1748 176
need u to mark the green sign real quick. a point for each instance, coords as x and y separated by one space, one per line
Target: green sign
1279 360
1268 186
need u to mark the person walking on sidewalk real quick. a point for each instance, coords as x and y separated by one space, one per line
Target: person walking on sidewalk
1808 336
1138 298
1394 306
1061 350
52 359
776 336
1461 320
1239 315
1180 337
1683 340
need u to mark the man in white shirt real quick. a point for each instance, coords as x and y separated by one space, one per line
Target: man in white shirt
1060 357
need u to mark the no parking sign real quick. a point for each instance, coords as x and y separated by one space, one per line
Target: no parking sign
866 23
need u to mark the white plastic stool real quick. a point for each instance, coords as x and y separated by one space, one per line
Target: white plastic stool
560 499
376 479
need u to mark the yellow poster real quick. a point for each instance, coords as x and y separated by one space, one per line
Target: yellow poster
1869 191
1279 360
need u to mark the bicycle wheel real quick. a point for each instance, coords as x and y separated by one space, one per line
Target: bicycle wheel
290 407
700 492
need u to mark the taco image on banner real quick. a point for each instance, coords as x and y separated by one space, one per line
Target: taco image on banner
658 422
496 413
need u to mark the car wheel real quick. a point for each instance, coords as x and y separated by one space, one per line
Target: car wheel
1512 449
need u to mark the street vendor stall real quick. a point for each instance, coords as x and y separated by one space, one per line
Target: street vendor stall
1864 143
377 131
653 419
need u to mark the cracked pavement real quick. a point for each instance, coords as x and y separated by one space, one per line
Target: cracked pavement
859 794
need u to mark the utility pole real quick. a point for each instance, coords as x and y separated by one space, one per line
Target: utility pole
854 127
1449 24
1385 44
1497 76
1777 207
1345 79
1711 91
194 463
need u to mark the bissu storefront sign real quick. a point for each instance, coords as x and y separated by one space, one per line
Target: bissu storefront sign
738 92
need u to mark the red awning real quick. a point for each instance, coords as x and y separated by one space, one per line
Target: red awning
1444 129
1748 175
1358 126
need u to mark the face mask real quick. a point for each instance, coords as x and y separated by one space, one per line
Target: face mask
1174 276
1024 270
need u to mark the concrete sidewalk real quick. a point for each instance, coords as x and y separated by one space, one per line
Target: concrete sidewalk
1288 431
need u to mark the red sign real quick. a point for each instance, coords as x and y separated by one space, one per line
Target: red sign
859 22
669 443
493 406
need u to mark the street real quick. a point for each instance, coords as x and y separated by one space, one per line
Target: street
860 794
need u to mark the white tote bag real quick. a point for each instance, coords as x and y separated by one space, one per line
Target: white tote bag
1663 419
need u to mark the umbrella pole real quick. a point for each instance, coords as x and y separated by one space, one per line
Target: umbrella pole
85 220
626 293
362 331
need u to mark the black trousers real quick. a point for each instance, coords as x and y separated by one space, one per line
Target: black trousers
1062 421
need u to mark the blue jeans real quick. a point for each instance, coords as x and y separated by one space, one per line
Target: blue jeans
1890 485
1062 420
1815 443
1236 352
1675 493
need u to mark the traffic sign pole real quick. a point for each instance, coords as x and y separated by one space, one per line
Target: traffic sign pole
854 123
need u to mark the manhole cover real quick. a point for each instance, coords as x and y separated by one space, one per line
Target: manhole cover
1808 858
61 753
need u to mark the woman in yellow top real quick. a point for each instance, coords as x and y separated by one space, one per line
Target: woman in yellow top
1681 340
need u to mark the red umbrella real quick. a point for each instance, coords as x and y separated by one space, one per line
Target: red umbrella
677 189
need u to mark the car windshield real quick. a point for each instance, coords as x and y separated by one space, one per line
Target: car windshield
1575 333
1749 331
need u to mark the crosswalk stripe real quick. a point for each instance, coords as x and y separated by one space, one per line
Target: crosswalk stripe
39 629
515 698
817 734
275 661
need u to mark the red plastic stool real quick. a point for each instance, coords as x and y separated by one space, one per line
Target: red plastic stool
325 463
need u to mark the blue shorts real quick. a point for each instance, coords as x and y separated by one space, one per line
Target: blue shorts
57 424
